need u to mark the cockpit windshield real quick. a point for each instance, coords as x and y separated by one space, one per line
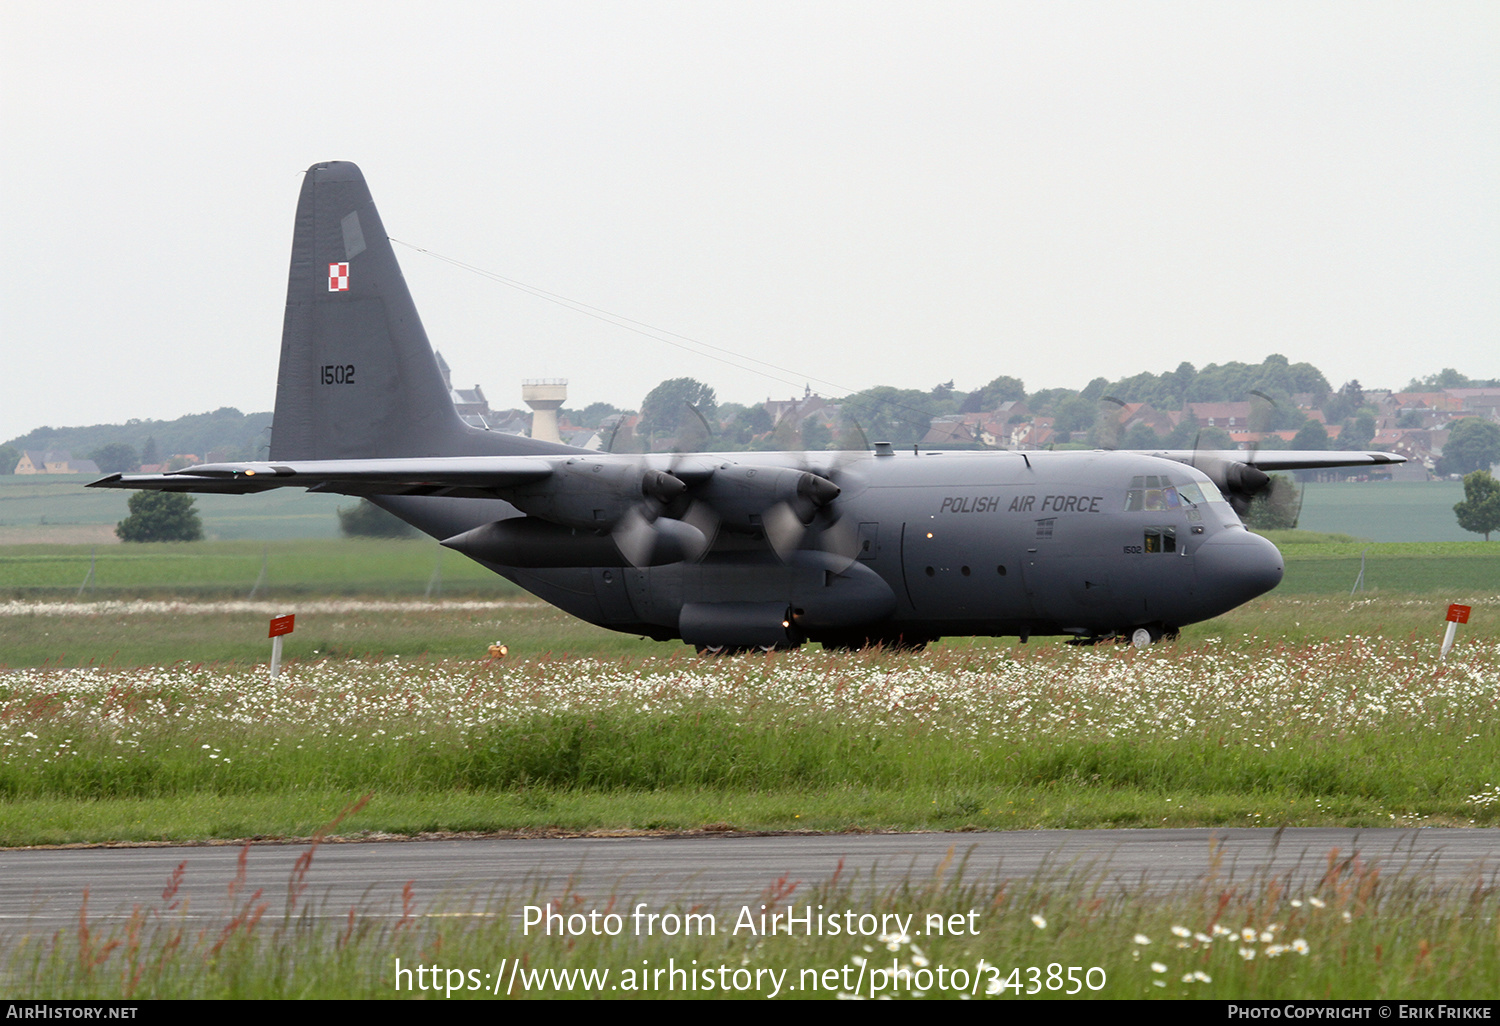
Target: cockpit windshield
1159 492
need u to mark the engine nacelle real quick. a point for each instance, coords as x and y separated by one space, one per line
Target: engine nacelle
594 494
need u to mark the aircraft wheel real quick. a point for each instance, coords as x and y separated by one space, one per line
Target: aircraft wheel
1141 638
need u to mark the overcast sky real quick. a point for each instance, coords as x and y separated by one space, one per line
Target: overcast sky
861 193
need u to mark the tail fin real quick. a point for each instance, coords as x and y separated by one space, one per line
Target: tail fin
358 378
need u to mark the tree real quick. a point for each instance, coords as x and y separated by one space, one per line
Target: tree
1480 510
1076 414
1003 389
1359 433
115 458
1312 436
594 413
160 517
1276 508
815 434
9 457
895 415
665 406
1473 444
367 520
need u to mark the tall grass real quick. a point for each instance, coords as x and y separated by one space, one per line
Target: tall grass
1324 732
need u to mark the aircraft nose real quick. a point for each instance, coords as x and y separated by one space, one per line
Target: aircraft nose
1234 567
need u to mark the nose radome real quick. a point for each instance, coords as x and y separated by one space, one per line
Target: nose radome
1234 567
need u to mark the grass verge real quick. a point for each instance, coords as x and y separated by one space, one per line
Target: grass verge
1206 734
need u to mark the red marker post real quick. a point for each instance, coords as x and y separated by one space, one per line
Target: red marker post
280 625
1456 615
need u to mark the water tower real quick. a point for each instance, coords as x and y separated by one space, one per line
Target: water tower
544 396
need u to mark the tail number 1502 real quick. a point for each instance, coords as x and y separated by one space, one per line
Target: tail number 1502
338 373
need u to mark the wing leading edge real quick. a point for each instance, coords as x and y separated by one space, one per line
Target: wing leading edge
1277 459
468 476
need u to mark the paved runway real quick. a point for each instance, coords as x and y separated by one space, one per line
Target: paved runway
43 890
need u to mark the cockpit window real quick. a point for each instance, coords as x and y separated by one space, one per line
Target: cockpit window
1157 492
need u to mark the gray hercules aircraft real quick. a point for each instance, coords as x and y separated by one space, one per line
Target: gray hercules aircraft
737 550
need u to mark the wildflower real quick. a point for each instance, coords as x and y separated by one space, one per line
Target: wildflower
1203 938
1181 931
1202 977
1317 902
1141 939
1300 946
1247 954
1041 924
1157 967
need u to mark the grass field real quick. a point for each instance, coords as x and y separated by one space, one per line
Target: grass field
1386 511
1290 711
58 507
234 570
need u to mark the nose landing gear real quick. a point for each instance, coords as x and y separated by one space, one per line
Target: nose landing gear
1143 637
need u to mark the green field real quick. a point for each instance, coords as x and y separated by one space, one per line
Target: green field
36 508
1386 511
233 569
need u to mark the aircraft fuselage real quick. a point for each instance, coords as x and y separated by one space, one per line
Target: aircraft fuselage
938 543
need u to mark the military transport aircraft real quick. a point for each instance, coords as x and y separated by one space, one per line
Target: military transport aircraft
737 551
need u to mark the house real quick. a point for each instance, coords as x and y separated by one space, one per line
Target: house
470 403
37 461
1220 415
949 431
796 409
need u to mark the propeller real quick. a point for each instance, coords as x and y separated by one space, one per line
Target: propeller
1240 482
645 536
1109 422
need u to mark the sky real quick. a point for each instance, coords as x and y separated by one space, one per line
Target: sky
856 194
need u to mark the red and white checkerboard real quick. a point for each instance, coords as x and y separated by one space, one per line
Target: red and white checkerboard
338 277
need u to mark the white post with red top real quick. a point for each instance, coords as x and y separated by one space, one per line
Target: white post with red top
1456 615
280 625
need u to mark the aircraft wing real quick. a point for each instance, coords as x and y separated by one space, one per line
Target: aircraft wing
469 476
1277 459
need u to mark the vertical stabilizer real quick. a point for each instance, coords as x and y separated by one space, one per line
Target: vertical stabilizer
358 378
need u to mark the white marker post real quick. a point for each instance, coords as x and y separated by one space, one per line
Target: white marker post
279 625
1456 615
